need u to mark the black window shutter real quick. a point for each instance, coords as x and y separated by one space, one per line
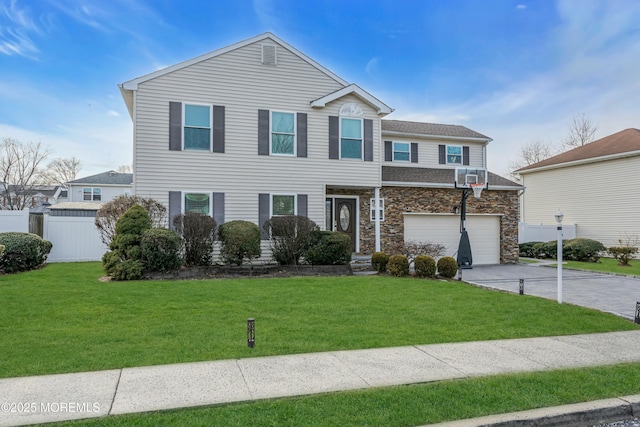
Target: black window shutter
175 206
368 140
465 155
264 209
175 126
218 129
414 152
218 207
263 132
301 130
302 205
442 154
388 151
334 144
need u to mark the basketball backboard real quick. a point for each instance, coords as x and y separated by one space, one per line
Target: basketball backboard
466 176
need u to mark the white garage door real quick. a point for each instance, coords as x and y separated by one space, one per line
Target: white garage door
483 230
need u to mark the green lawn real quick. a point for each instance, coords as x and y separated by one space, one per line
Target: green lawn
403 406
63 319
607 265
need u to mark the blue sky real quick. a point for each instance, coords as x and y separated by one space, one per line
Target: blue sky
517 71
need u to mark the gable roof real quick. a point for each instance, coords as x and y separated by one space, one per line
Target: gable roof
106 178
436 178
355 90
401 127
621 144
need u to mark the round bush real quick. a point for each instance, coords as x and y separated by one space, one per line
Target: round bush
329 248
581 249
130 269
379 261
130 227
425 266
160 249
23 251
398 265
447 267
239 241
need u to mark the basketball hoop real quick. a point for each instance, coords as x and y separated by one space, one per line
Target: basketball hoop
477 189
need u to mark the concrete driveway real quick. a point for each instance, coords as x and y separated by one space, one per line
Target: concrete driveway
606 292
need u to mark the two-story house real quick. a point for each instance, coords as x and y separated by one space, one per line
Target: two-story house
99 188
259 129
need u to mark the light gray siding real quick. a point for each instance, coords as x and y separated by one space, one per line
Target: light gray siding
597 197
108 192
428 152
238 81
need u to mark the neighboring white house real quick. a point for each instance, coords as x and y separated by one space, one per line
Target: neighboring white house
258 129
595 186
29 196
99 188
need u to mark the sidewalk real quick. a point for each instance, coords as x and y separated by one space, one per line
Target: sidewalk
49 398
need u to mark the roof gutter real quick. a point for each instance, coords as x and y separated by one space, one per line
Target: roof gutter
581 162
422 135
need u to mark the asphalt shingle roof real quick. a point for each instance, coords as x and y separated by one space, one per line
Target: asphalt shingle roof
627 140
435 176
419 128
106 178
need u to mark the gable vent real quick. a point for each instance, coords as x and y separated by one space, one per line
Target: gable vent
269 54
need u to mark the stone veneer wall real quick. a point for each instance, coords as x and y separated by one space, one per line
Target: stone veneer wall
398 200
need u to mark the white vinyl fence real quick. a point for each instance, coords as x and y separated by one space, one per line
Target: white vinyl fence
14 221
74 239
544 233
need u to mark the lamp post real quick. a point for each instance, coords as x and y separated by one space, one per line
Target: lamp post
559 216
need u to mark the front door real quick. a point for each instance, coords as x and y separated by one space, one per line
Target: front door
345 218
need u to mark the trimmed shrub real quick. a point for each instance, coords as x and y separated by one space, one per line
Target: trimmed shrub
425 266
198 233
2 248
291 237
529 249
23 251
329 248
109 213
548 249
239 241
130 269
124 262
581 249
379 261
398 265
160 250
623 254
447 267
412 249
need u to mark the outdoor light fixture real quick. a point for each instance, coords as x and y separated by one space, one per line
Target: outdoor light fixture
559 216
251 333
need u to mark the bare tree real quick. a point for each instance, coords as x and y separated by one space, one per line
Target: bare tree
582 131
124 169
531 153
20 172
61 171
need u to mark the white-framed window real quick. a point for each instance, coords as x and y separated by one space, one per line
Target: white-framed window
350 138
401 152
372 213
454 154
196 202
197 127
283 204
92 193
283 133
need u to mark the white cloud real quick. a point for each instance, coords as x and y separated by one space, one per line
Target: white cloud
521 6
112 113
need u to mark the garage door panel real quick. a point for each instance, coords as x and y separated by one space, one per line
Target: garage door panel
483 230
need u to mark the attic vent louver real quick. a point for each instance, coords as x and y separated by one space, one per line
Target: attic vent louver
269 56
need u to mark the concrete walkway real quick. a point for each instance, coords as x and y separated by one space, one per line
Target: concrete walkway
49 398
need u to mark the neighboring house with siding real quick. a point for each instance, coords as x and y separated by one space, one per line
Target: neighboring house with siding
259 129
99 188
593 185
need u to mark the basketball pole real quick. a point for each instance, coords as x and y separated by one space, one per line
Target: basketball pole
465 259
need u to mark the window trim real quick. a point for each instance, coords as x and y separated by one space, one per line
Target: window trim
184 125
393 152
361 120
295 203
372 202
92 193
295 133
183 200
446 154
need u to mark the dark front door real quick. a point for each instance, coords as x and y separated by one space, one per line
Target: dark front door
345 218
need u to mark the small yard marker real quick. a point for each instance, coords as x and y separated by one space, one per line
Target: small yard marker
521 286
251 332
637 320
